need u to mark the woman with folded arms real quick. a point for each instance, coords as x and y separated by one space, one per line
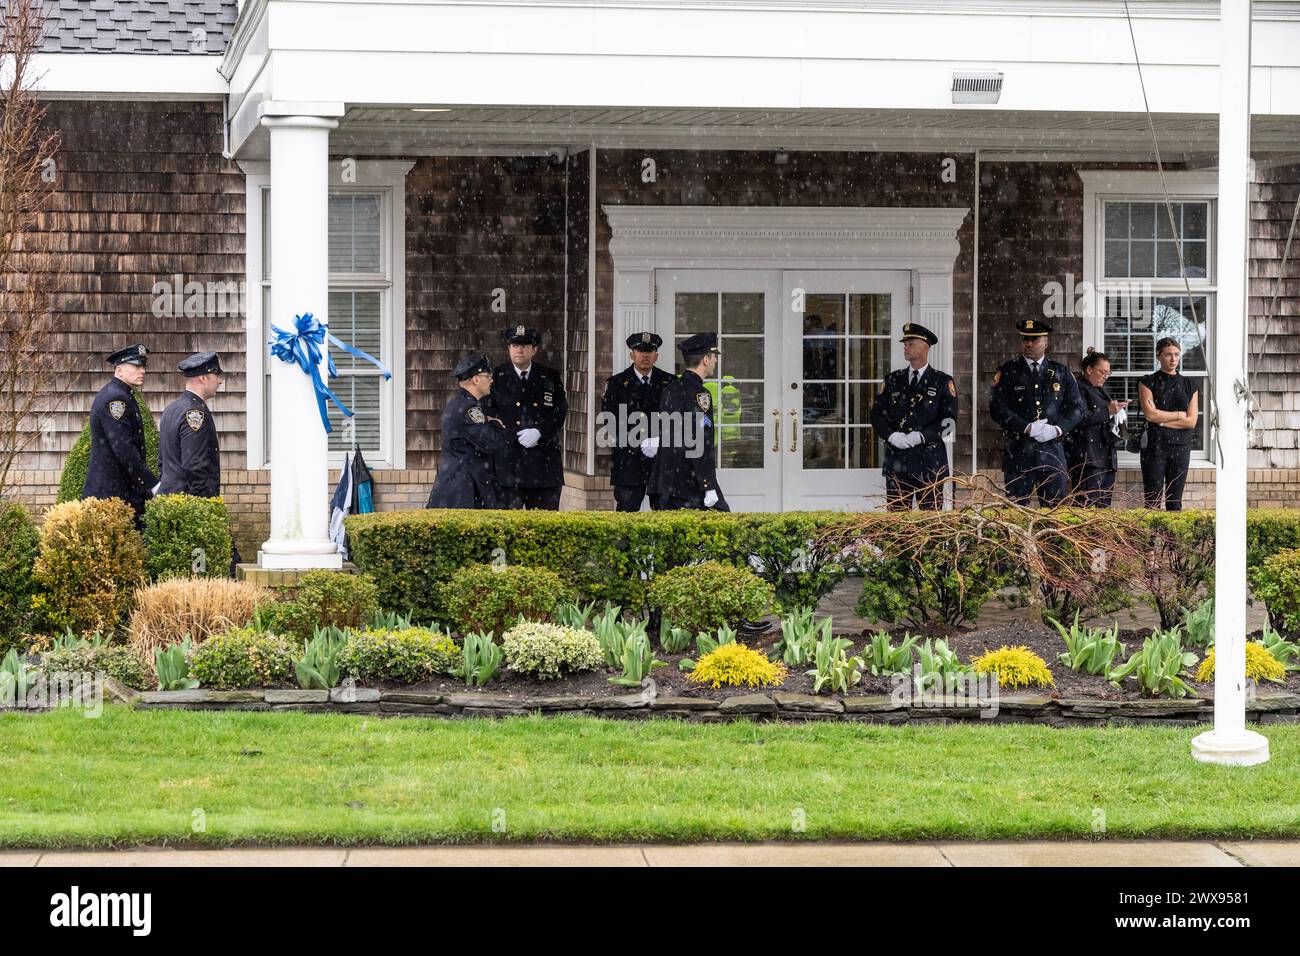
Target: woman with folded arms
1170 404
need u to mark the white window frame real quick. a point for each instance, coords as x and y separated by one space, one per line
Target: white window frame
1102 186
387 177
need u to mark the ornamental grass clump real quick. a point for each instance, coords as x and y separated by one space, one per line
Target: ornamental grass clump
198 607
243 658
407 656
735 665
1015 666
1260 665
549 651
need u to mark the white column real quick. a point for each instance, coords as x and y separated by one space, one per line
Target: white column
299 283
1230 742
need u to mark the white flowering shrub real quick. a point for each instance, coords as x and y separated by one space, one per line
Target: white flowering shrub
548 651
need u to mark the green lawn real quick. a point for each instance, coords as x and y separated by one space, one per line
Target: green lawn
132 777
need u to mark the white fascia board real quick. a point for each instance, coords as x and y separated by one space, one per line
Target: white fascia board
153 76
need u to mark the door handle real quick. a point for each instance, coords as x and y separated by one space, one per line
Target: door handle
776 433
794 430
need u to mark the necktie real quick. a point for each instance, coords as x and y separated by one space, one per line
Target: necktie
1036 370
915 377
523 376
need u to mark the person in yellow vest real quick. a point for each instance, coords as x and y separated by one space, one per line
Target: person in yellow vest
727 401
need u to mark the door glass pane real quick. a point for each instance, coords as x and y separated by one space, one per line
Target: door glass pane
740 447
823 403
696 312
869 358
823 357
823 448
869 314
742 312
865 450
742 356
861 396
823 314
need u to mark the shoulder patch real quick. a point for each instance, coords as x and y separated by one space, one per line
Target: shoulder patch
702 399
117 408
476 415
194 418
952 388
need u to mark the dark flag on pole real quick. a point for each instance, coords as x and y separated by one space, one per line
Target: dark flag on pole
341 506
363 486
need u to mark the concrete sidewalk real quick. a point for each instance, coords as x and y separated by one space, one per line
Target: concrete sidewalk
1028 853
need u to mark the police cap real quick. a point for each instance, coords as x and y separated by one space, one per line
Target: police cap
1031 328
201 363
471 365
131 355
644 342
699 343
522 335
913 331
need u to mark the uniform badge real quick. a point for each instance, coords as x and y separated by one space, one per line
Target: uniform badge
194 418
702 399
476 415
117 408
548 399
932 392
520 331
997 376
1056 386
952 387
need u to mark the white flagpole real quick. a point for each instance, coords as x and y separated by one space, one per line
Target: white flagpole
1230 742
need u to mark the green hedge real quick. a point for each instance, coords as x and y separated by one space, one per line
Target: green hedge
600 555
19 542
187 536
73 480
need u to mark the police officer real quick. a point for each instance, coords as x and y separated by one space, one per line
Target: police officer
471 441
1090 447
529 400
1171 406
189 453
684 474
1036 402
911 413
631 401
117 466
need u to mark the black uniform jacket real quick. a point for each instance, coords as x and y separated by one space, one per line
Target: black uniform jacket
1018 399
117 459
189 454
628 466
470 444
901 408
538 403
1089 446
675 473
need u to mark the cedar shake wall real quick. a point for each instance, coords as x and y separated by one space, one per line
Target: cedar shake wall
474 224
575 383
1275 362
142 194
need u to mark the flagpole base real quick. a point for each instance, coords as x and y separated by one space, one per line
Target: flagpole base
300 556
1238 750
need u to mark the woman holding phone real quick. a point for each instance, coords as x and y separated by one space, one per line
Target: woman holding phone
1170 404
1090 445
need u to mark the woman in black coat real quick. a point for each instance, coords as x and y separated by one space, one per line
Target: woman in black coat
1089 446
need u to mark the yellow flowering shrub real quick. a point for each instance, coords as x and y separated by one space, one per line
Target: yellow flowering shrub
734 665
1015 666
1260 665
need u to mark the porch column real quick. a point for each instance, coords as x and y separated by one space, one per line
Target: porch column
299 283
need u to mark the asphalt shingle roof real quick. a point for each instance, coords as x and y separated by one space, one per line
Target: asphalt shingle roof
200 27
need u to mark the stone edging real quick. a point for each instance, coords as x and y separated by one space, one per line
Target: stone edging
1268 707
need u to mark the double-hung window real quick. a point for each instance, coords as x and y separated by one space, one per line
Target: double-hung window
1141 287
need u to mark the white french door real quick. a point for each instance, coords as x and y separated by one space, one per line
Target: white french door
803 355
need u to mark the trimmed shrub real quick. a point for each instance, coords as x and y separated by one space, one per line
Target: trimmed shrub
700 597
488 598
1015 666
407 657
548 651
948 586
72 483
1277 584
187 536
19 542
735 665
334 599
287 618
111 660
200 607
243 658
90 563
1260 665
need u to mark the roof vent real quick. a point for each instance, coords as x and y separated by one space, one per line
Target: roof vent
976 86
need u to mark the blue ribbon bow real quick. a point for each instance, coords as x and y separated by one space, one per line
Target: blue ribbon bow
303 348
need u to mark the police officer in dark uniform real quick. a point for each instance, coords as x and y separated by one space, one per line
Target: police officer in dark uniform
684 474
1171 406
529 400
189 453
915 408
1036 402
117 466
1090 447
631 400
471 441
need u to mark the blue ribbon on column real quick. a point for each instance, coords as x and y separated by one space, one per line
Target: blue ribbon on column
304 348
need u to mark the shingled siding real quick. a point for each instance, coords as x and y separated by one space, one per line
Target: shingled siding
475 224
579 222
141 195
1275 344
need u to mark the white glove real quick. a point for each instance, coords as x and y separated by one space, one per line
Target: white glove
1036 429
913 439
1044 432
529 437
898 440
710 498
650 447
